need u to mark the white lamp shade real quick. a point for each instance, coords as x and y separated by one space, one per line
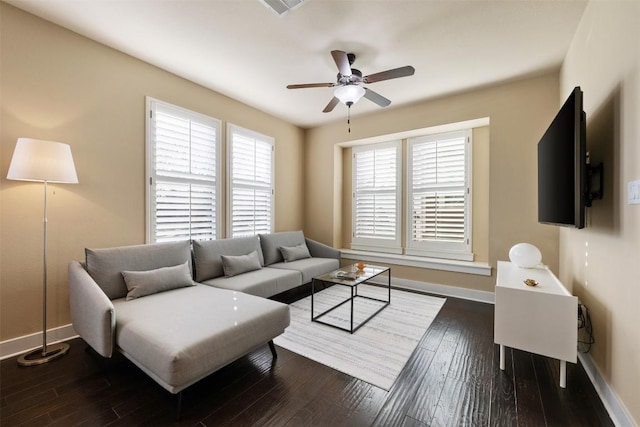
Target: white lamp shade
525 255
349 93
38 160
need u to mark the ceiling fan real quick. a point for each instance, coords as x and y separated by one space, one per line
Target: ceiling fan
350 80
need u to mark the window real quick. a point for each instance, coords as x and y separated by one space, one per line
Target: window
438 195
376 197
183 196
433 218
250 182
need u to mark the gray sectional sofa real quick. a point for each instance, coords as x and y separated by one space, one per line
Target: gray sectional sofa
143 300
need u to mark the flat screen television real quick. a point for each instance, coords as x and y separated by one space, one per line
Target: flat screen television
562 166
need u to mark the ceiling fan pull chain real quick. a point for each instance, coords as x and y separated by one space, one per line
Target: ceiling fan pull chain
349 118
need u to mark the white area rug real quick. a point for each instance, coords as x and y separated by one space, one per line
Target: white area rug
375 353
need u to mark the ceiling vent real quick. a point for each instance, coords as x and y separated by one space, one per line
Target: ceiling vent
281 6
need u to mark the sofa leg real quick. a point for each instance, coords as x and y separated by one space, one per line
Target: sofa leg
178 405
273 349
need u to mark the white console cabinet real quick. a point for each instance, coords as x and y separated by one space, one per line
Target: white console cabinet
541 319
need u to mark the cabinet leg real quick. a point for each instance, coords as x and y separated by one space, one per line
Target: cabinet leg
502 364
563 374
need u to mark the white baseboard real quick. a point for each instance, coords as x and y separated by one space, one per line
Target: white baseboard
444 290
614 406
19 345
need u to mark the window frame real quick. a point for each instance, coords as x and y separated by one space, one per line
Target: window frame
151 175
373 244
461 251
235 129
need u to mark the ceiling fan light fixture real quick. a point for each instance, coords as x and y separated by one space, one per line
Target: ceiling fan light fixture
349 94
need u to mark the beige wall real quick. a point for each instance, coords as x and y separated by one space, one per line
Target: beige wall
601 261
60 86
519 113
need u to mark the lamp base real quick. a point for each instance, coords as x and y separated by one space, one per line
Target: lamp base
36 357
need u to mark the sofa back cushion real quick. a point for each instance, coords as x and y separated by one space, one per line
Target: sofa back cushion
106 265
272 242
207 254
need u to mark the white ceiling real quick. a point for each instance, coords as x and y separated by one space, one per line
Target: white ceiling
244 50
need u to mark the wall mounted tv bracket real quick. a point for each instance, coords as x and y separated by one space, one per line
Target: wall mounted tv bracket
595 182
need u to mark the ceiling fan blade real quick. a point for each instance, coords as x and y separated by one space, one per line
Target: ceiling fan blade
331 105
342 61
376 97
306 85
389 74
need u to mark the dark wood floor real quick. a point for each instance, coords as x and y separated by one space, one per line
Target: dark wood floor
451 379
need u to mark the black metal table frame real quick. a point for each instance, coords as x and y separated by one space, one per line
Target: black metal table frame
354 295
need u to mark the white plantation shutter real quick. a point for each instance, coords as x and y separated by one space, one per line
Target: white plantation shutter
250 182
439 196
376 197
183 172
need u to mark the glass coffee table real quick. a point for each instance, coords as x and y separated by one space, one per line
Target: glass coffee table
351 277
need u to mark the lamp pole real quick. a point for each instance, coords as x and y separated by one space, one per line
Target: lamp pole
46 353
44 275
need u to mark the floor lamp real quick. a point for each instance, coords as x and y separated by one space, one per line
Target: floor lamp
43 161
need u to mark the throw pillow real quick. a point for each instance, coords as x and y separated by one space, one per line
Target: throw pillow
234 265
292 253
271 243
143 283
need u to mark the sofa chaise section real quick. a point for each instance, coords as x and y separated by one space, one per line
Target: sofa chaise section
179 337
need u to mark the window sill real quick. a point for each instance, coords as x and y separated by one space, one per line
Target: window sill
469 267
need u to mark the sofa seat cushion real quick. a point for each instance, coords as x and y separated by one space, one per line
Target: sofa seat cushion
265 282
180 336
309 267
